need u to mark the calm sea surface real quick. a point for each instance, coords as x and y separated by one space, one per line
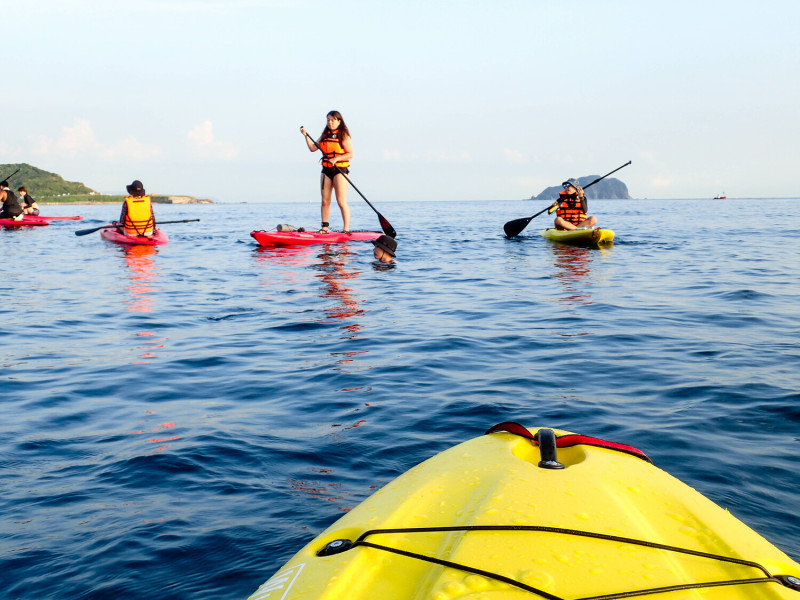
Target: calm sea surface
177 422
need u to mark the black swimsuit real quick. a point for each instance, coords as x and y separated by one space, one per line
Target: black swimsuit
331 172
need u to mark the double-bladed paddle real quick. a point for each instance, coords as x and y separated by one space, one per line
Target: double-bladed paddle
92 230
385 225
515 227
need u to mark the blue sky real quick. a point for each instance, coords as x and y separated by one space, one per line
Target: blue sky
446 100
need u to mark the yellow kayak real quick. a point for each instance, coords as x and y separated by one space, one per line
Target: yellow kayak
589 238
525 513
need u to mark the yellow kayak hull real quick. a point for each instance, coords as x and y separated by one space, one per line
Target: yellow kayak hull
588 238
495 480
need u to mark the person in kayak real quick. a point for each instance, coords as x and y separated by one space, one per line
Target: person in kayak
572 207
337 148
384 249
30 207
137 217
11 208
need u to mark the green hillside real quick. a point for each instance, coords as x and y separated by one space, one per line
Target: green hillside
42 184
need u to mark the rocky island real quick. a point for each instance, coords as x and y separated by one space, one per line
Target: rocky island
610 188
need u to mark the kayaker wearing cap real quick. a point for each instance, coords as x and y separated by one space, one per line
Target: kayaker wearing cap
572 207
384 249
11 207
30 207
337 148
137 216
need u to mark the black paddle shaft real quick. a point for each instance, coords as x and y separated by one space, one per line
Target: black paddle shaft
385 225
515 227
93 229
607 174
10 176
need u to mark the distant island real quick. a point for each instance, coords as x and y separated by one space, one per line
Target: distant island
50 188
610 188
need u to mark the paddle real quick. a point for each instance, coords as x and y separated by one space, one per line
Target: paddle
88 231
515 227
385 225
10 176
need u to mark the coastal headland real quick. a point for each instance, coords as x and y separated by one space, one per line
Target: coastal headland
51 188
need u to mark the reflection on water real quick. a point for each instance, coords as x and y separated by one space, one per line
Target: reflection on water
572 270
141 265
290 256
140 262
332 266
379 266
160 431
334 271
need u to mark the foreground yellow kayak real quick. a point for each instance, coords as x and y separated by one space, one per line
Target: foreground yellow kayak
589 238
520 514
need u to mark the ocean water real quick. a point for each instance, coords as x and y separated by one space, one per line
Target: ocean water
176 422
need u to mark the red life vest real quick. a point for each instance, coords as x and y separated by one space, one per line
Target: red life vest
330 145
570 208
139 218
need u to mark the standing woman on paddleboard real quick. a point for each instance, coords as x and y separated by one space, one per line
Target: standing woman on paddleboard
337 149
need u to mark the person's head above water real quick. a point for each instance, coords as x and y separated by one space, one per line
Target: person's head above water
385 248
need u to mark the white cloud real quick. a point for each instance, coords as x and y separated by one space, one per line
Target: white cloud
442 156
513 156
133 149
79 140
397 155
430 156
661 182
75 139
7 151
203 143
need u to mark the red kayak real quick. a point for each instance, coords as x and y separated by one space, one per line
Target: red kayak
25 222
308 238
116 235
32 217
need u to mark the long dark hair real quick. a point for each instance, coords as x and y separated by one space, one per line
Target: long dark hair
342 132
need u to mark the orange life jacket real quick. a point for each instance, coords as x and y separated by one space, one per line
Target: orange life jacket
139 217
331 146
570 208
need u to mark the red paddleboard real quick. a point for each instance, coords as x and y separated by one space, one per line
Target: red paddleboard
33 217
115 235
307 238
25 222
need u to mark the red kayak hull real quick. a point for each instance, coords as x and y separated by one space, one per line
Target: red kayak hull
115 235
34 217
307 238
26 222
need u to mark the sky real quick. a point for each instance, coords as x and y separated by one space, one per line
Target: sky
445 99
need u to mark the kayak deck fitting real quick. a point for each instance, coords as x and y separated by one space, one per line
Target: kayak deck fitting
525 513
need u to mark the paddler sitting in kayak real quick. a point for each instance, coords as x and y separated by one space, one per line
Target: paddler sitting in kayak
572 208
11 208
137 216
30 208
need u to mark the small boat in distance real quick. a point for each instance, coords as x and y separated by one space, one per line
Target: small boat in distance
721 196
